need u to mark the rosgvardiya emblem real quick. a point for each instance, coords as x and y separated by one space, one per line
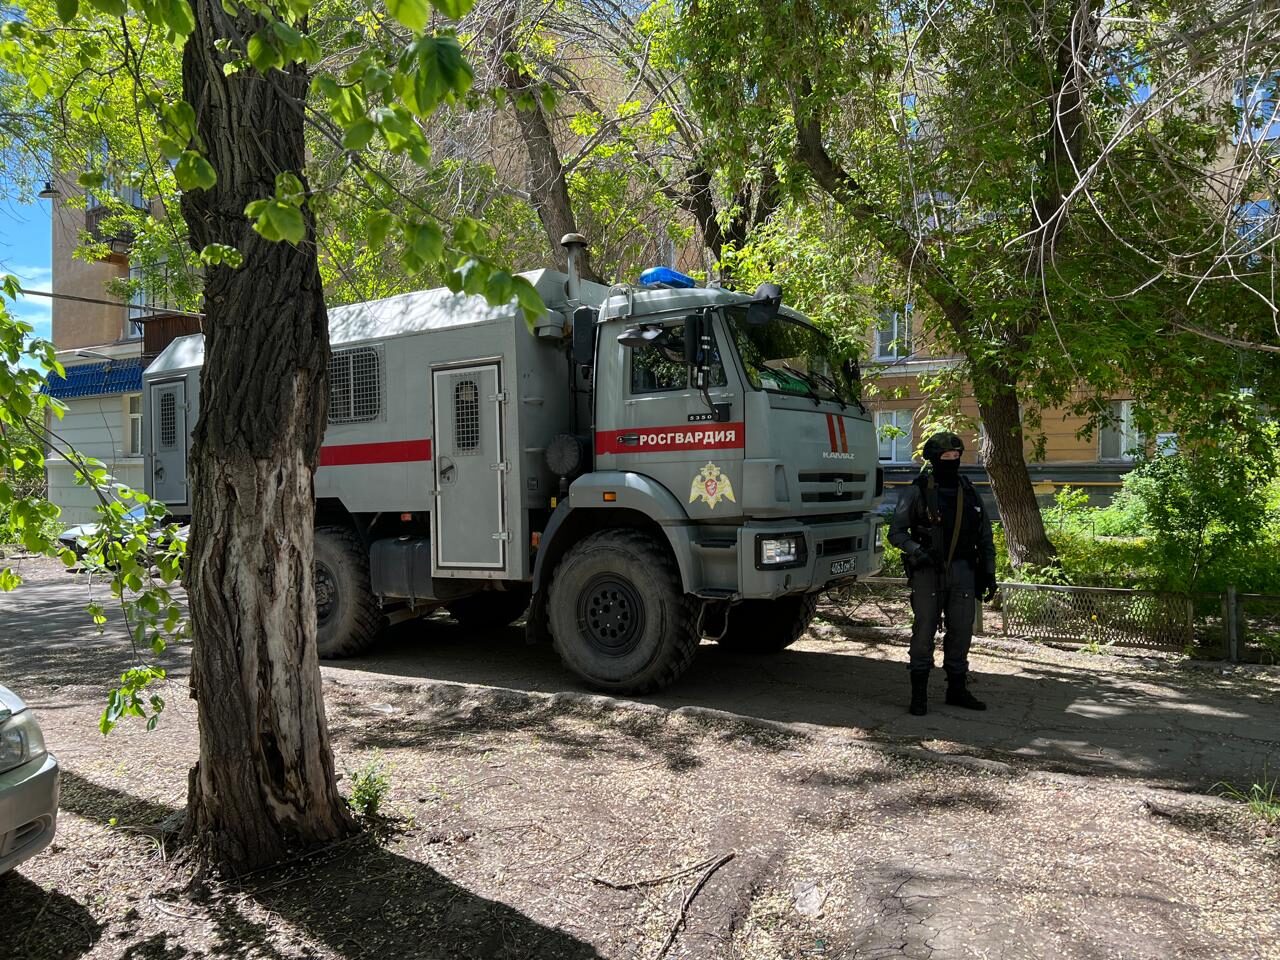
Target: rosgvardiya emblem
710 485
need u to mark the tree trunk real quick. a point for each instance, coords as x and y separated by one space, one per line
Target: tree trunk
1002 456
264 783
548 185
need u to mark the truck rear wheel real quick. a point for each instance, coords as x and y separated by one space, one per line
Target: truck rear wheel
619 617
768 626
491 609
347 615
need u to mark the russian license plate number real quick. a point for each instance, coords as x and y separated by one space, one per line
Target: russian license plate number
842 566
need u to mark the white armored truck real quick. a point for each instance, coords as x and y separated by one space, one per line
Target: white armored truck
650 465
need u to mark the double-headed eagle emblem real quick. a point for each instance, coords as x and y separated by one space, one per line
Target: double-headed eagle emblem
710 485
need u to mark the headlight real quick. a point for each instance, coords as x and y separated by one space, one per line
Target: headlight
879 542
20 741
788 551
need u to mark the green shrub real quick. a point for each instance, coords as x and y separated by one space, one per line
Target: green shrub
369 787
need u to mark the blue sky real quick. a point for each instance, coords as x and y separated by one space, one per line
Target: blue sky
26 249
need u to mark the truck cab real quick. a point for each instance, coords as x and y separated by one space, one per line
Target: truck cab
729 435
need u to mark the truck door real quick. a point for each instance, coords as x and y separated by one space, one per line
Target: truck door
169 442
663 428
470 519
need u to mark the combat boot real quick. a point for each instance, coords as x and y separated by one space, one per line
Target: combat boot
919 692
958 696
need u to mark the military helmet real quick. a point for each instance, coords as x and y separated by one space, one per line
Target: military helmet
940 443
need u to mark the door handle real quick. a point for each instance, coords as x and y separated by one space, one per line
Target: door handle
630 439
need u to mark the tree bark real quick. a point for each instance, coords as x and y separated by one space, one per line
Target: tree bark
994 381
548 185
264 783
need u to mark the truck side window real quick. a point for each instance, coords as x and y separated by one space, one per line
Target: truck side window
653 371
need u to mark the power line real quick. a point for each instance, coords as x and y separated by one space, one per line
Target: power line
162 311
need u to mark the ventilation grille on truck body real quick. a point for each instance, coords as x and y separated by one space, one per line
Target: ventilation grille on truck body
355 385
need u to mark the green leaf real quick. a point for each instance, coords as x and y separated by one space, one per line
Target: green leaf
263 54
179 18
194 172
412 13
92 179
358 135
112 8
276 220
378 224
67 10
453 9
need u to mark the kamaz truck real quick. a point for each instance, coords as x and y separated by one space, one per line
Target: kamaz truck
643 467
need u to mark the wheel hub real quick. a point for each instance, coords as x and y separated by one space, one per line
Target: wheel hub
611 614
325 592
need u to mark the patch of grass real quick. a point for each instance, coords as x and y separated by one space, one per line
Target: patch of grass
1262 798
369 787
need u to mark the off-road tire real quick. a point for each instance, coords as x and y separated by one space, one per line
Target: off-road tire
619 617
347 615
491 609
768 626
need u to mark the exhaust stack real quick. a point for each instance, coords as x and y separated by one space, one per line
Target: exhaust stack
575 245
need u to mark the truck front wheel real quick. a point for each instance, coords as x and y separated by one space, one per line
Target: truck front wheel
619 618
768 626
347 615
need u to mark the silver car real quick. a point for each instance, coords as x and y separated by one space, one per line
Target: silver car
28 784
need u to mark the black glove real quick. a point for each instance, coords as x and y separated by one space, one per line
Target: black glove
986 587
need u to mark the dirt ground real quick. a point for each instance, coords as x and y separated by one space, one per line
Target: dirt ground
528 818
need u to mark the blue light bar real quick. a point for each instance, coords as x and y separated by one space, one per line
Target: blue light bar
672 278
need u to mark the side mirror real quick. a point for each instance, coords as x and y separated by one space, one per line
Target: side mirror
764 306
584 336
693 338
851 370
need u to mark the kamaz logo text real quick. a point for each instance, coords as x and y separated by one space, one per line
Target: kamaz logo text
834 455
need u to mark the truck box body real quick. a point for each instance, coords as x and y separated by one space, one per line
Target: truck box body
429 391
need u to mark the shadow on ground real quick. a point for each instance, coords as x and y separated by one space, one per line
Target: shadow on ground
1181 730
356 898
43 924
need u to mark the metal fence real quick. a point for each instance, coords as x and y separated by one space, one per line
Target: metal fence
1098 615
1233 625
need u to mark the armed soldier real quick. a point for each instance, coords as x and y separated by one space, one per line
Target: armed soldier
942 529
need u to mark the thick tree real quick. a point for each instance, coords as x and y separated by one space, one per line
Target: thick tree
265 779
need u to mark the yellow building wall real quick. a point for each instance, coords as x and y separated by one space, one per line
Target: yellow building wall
81 324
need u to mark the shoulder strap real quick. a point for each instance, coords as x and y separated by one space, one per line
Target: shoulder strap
955 530
932 509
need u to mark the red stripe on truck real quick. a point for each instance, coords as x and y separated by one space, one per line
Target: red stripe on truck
395 451
844 440
831 432
712 436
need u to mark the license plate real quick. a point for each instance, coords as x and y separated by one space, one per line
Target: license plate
842 566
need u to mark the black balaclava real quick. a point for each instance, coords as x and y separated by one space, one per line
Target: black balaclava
946 472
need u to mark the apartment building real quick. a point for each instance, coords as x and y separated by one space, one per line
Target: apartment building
899 360
103 343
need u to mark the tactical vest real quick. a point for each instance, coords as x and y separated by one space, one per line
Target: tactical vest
930 528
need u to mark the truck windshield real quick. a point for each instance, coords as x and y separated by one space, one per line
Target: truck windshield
787 356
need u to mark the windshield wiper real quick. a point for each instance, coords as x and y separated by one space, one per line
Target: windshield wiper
830 385
803 378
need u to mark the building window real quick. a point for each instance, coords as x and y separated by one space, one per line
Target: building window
134 414
355 385
149 295
1258 100
893 427
1120 439
893 336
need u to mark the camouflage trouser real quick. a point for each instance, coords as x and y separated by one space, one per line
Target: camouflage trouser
930 598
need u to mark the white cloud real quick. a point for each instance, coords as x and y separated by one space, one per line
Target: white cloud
32 276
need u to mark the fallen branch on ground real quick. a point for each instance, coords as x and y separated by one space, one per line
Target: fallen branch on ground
688 899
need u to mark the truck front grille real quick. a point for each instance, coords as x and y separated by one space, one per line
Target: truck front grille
825 486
